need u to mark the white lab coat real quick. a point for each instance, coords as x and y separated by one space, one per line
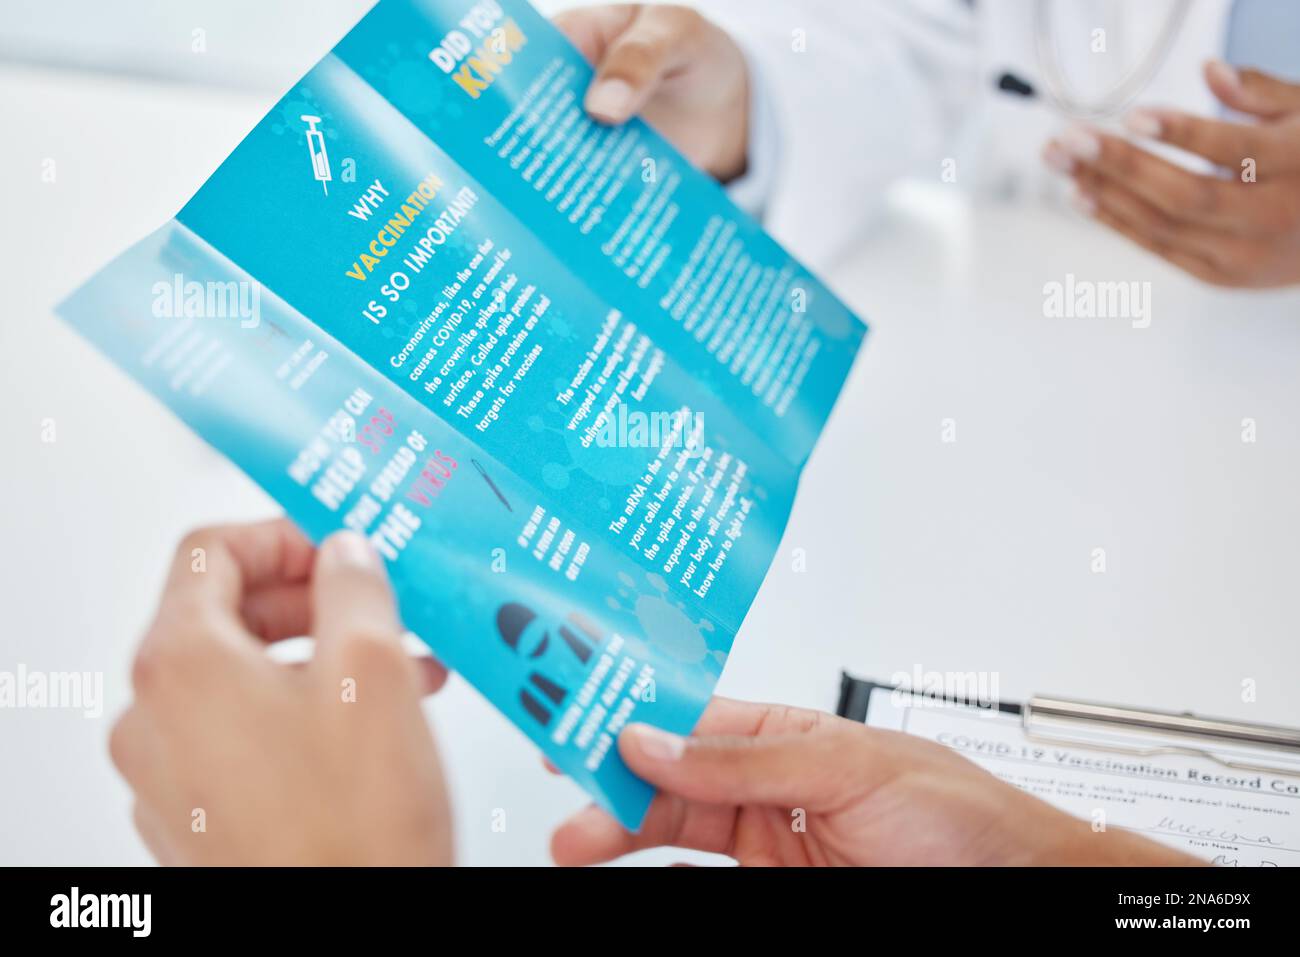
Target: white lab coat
862 93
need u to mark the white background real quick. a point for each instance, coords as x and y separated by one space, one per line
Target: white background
975 555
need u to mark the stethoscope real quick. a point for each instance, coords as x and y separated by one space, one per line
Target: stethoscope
1057 87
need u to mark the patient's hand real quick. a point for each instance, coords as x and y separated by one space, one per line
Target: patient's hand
771 785
686 76
237 759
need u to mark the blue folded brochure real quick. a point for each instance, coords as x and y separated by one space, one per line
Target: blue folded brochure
559 381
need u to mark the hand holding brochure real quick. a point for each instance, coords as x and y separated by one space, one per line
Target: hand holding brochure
558 380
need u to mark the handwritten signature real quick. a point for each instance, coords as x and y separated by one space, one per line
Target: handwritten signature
1223 861
1171 826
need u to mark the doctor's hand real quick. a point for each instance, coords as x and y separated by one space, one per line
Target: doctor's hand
684 75
771 785
237 759
1239 227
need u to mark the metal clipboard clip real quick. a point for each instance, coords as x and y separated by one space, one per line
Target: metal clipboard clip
1040 713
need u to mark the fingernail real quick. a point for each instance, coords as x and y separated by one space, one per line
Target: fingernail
1083 203
1081 143
610 100
1145 123
351 548
1224 74
657 745
1055 156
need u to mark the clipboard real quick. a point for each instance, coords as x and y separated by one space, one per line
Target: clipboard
1048 720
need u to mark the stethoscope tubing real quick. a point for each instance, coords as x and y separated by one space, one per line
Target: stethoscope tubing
1057 87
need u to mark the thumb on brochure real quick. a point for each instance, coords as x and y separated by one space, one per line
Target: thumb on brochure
777 770
352 602
354 613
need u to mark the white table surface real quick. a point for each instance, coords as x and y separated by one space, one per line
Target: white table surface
966 556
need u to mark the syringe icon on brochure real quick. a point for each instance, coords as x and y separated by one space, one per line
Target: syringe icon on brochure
320 161
491 484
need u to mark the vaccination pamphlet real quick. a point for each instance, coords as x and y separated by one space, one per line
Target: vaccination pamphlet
560 382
